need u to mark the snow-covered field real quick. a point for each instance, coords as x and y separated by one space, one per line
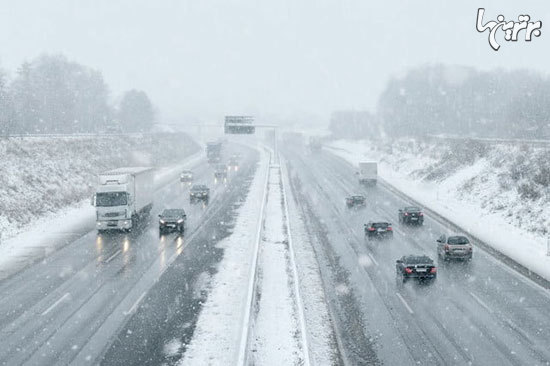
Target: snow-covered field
499 193
43 176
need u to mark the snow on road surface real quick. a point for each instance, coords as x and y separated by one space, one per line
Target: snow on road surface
444 198
53 231
275 338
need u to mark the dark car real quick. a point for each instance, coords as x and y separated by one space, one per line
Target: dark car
199 192
419 267
186 176
172 219
220 172
374 230
411 215
356 201
454 247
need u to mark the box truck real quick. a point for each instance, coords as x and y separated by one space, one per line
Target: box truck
122 197
368 172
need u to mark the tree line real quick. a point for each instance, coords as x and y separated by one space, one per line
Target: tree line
439 99
51 94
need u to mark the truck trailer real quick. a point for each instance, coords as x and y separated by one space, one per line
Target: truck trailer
368 172
122 197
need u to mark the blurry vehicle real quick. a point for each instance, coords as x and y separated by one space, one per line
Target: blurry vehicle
199 192
315 143
368 173
356 201
233 163
454 247
411 215
186 176
172 219
213 152
418 267
220 172
378 230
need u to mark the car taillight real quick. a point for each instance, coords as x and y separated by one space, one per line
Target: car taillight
421 214
371 229
389 228
446 247
408 270
406 214
433 270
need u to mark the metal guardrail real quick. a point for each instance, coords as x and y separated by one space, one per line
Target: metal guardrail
75 135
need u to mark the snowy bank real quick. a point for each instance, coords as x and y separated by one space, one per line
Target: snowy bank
496 193
41 176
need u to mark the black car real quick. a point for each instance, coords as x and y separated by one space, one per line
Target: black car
419 267
356 201
199 192
172 219
411 215
220 172
379 230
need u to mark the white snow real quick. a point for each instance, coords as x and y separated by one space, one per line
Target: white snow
275 339
474 195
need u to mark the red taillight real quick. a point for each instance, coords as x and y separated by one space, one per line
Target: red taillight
433 270
421 214
406 214
446 247
389 228
408 270
371 229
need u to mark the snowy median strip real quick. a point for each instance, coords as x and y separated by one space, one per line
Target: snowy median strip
256 283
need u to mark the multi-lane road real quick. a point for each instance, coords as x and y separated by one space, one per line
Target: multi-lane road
71 306
116 299
480 313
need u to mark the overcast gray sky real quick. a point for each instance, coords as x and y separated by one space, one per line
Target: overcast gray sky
283 58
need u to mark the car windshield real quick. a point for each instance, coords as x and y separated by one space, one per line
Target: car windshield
109 199
412 209
380 225
199 188
172 213
457 240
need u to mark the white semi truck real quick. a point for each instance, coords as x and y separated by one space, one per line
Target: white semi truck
368 172
123 195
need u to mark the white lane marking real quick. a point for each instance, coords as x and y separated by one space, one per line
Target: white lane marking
113 256
480 302
56 303
136 304
404 303
372 258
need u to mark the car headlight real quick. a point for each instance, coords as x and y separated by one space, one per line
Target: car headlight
180 221
161 221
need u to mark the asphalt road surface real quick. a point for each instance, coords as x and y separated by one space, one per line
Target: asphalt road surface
70 307
480 313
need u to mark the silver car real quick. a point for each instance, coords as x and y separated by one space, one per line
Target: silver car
454 247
